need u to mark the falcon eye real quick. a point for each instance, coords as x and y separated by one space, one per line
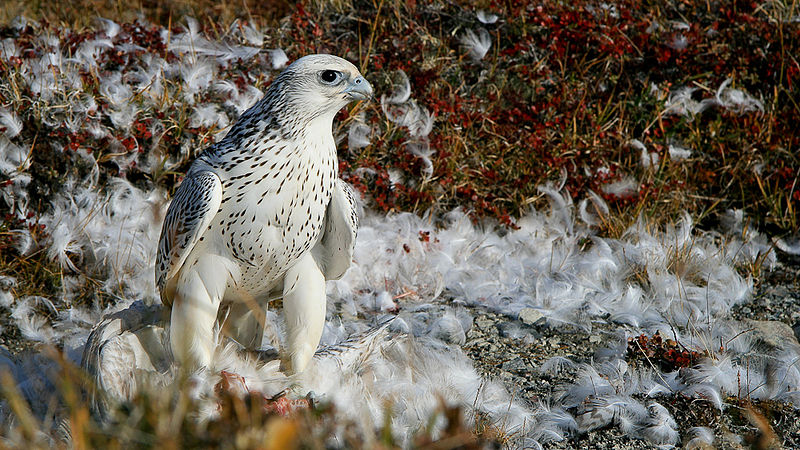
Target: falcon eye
330 76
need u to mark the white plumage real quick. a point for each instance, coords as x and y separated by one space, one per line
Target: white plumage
262 214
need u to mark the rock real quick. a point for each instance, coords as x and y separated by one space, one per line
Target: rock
796 329
772 333
483 323
595 339
530 316
516 364
477 342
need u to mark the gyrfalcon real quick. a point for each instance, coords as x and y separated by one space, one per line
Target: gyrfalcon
263 214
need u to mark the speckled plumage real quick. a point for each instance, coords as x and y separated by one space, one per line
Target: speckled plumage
262 213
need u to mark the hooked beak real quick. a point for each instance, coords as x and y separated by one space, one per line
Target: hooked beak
359 89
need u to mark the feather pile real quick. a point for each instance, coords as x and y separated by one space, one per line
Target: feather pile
691 281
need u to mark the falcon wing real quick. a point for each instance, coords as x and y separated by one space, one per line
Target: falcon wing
124 352
195 204
334 251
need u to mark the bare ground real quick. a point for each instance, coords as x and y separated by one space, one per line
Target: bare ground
508 350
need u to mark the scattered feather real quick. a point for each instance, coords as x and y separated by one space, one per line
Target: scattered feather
556 365
10 124
401 90
278 58
626 187
358 135
6 297
13 158
22 241
680 102
677 153
110 28
249 32
788 245
662 429
699 438
207 116
593 209
194 45
423 151
678 42
647 158
477 44
361 375
737 100
486 18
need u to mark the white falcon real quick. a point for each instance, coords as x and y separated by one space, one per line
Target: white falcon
262 213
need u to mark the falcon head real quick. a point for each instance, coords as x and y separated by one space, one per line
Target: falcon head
323 84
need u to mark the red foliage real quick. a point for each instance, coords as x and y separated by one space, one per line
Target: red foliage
667 354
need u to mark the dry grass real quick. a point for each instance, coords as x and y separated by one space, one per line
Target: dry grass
168 419
82 13
564 88
567 88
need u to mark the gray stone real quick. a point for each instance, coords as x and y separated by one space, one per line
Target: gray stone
516 364
478 341
772 333
530 316
483 323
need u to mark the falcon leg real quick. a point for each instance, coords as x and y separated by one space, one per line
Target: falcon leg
194 313
304 308
244 325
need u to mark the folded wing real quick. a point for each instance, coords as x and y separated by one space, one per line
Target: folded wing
196 202
334 251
